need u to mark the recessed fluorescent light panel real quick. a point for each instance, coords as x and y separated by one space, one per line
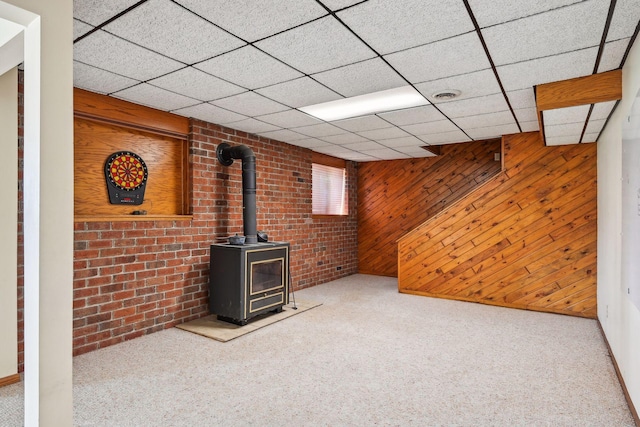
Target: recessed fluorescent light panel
376 102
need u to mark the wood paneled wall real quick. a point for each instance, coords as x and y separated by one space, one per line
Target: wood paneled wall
165 157
525 239
396 196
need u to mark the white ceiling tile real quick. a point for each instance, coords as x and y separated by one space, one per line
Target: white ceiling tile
113 54
339 4
80 28
386 154
285 135
595 126
249 67
152 96
601 110
445 138
252 126
290 119
311 143
196 84
531 126
317 46
317 131
333 150
625 19
359 157
559 116
301 38
166 28
431 127
590 137
562 140
612 54
299 93
409 116
474 106
485 120
96 12
250 104
97 80
568 129
526 114
365 145
253 20
546 34
523 98
472 85
407 141
458 55
525 75
343 138
362 123
386 133
210 113
406 23
372 75
491 12
492 131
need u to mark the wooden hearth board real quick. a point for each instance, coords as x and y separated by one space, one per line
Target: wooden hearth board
211 327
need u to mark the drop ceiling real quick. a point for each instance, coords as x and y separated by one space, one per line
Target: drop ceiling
251 64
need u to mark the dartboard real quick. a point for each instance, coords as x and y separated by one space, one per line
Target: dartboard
125 171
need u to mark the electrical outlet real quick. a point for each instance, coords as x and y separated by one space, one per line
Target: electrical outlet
496 157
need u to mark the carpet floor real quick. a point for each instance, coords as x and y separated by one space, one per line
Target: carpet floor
368 356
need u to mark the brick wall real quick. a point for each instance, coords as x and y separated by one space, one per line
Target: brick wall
137 277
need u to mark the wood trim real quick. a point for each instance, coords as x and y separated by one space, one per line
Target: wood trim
488 302
632 408
326 160
186 181
327 216
11 379
591 89
89 105
118 218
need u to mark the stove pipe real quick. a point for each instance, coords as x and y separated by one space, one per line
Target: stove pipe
226 154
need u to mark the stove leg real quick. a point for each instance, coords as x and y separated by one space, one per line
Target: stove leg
234 321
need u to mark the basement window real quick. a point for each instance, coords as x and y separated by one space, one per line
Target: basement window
329 187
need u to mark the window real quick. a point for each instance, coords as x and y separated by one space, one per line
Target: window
329 188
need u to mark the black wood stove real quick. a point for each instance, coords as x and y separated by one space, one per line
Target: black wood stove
251 278
248 280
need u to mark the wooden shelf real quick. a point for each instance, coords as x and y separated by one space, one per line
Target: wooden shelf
117 218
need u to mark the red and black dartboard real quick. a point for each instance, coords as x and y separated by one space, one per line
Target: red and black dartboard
126 175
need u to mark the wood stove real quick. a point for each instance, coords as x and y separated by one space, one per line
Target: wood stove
248 280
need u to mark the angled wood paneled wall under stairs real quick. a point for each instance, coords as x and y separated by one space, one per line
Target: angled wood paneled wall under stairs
525 239
396 196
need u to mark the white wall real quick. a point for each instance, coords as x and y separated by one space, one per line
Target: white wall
8 228
619 317
48 206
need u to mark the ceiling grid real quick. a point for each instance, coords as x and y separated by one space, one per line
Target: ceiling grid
251 65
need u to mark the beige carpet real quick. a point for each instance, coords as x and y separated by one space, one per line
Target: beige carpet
368 356
211 327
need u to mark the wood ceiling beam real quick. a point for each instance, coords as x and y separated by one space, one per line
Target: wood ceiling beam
586 90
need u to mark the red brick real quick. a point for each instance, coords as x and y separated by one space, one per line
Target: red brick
160 268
